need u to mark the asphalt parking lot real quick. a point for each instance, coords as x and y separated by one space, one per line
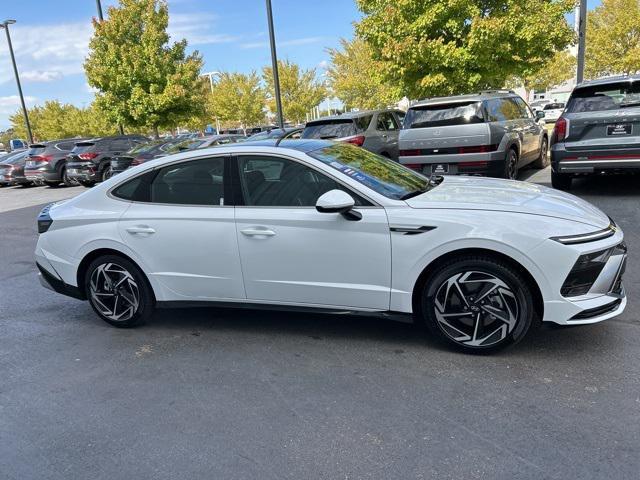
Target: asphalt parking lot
230 394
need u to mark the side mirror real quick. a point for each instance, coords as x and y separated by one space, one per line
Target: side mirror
539 114
338 201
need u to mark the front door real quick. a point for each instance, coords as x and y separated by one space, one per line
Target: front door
185 234
291 253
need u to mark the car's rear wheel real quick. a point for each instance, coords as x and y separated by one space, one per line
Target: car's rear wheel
86 184
65 178
561 181
52 184
106 173
477 303
118 291
543 159
511 165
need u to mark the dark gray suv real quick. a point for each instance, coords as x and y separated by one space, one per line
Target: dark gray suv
598 132
489 133
374 130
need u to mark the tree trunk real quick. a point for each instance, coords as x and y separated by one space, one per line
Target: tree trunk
156 135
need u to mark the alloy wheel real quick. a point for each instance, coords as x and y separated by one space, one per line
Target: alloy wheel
114 292
476 309
512 165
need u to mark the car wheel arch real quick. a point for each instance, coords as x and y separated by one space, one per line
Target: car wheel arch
431 267
99 252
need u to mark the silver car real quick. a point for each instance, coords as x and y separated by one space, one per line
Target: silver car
373 130
490 133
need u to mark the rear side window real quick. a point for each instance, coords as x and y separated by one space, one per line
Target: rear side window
83 147
553 106
330 129
440 115
65 146
120 145
137 189
502 109
196 182
604 97
362 123
386 122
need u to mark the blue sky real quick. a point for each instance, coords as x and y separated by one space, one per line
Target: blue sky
51 36
50 40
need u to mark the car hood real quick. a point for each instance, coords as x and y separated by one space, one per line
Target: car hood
478 193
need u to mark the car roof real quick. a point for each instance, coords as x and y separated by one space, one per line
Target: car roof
351 115
607 80
469 97
301 145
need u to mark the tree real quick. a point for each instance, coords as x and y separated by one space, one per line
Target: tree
559 68
142 80
237 98
444 47
613 39
299 90
356 77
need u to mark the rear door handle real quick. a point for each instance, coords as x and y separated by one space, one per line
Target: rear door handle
140 230
256 232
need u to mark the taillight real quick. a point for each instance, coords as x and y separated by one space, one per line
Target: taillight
559 130
478 149
87 156
357 140
481 164
41 158
410 153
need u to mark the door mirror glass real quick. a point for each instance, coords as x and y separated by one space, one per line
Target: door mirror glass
539 115
335 201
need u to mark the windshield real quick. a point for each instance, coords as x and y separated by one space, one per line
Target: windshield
330 129
604 97
460 113
380 174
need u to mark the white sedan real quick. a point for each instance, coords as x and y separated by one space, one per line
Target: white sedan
332 227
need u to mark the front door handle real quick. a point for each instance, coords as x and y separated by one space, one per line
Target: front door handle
140 230
257 232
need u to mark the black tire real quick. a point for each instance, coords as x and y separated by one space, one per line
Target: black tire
511 165
106 173
86 183
105 272
543 159
470 324
561 181
52 184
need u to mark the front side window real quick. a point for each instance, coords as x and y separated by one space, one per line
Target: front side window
196 182
525 112
386 122
279 182
380 174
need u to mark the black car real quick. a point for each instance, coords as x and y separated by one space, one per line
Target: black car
142 153
203 142
90 160
46 162
289 133
598 132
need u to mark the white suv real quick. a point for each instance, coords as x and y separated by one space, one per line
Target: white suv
314 224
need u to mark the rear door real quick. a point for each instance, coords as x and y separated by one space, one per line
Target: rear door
605 118
387 128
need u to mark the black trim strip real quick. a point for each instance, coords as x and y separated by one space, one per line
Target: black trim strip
412 230
597 311
59 286
587 237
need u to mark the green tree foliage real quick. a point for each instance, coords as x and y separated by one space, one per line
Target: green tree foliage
454 46
237 99
356 77
613 39
142 80
558 69
299 90
55 120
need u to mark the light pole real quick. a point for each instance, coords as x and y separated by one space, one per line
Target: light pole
99 6
5 25
210 75
274 63
582 27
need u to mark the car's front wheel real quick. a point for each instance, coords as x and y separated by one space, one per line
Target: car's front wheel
477 303
511 165
118 291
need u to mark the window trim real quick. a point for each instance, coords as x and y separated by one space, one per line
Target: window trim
236 172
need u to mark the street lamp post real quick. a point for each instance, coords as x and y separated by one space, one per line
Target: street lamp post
582 26
5 25
274 63
210 75
99 6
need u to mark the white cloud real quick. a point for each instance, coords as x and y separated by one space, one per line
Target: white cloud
323 65
285 43
10 104
196 28
41 75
